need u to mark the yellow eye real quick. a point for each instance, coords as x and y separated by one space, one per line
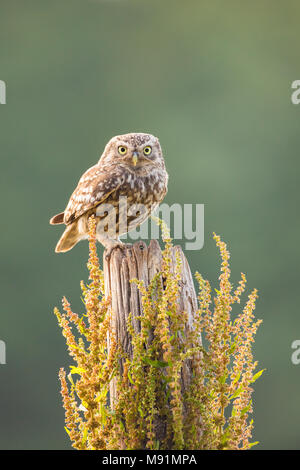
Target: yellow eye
122 150
147 150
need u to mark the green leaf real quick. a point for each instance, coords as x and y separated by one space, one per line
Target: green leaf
130 378
84 437
251 444
103 414
246 409
222 379
102 395
236 393
121 424
256 376
155 363
237 378
224 437
77 370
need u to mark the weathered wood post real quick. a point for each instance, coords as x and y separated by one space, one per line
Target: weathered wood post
142 262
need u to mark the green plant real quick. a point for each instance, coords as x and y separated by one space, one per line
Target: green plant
213 413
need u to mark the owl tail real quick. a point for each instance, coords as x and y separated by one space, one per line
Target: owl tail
68 239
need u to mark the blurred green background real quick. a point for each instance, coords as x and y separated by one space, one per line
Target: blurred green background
212 80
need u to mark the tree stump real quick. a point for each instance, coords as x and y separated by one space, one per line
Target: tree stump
143 263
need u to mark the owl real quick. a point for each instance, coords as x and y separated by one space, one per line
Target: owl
121 190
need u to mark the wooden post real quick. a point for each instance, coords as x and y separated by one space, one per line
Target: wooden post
142 262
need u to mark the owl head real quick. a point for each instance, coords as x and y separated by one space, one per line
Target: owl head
134 151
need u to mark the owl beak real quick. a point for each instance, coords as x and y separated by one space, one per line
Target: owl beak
134 158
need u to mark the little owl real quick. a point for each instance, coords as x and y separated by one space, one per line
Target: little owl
121 190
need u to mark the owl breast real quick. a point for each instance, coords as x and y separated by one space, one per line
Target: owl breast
137 197
147 189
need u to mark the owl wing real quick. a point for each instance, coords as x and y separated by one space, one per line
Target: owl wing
93 188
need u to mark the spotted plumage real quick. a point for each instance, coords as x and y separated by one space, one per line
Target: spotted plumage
130 178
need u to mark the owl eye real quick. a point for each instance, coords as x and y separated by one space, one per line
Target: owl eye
147 150
122 150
